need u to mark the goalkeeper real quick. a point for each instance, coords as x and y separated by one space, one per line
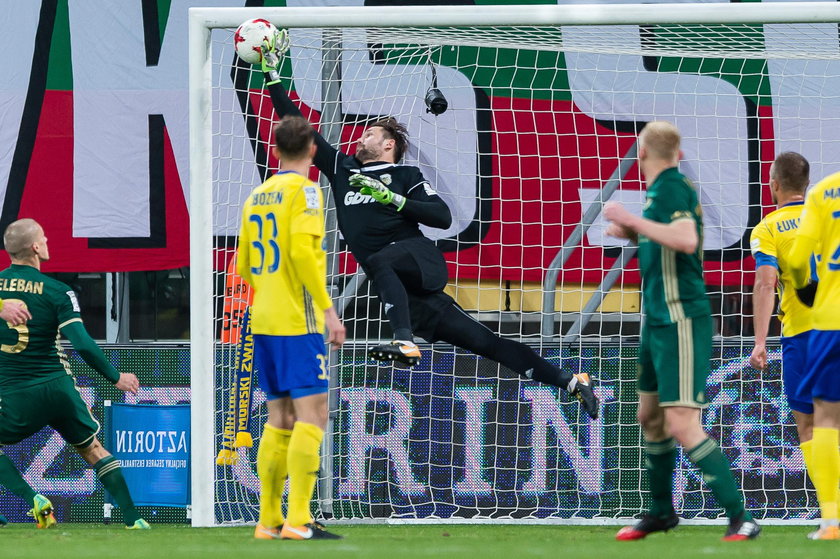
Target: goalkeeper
380 206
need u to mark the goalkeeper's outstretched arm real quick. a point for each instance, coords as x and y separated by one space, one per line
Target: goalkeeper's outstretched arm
326 157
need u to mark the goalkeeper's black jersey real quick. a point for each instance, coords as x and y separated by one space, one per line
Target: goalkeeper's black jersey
367 225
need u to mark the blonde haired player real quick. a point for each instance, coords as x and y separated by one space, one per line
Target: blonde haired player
281 256
37 387
676 343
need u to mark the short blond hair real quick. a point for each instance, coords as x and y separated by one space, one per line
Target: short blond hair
19 237
661 139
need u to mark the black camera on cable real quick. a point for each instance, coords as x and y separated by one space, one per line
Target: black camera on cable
436 103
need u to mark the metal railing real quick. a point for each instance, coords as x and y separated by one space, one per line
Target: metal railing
572 243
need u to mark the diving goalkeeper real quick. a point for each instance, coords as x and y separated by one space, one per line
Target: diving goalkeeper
380 206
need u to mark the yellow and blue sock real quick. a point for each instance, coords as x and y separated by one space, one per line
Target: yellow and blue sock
807 456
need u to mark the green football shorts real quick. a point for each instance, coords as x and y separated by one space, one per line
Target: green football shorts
57 403
674 361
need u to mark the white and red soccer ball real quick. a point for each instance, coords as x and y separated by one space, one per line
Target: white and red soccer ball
249 37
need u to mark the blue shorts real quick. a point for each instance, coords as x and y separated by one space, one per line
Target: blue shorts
294 366
794 365
822 379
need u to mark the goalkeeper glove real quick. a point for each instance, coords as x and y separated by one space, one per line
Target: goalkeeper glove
374 188
808 293
271 56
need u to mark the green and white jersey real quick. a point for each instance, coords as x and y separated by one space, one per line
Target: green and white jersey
672 282
30 353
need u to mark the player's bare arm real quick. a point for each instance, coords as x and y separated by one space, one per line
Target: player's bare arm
764 295
128 383
621 232
680 235
337 334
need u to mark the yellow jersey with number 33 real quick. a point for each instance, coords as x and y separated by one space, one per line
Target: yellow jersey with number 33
821 223
284 205
770 242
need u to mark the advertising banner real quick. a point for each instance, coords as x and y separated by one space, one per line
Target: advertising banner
458 437
455 437
152 443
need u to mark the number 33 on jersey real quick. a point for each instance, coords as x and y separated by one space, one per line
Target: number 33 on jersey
287 209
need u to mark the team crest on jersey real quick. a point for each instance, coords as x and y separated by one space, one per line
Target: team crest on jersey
429 190
386 179
311 194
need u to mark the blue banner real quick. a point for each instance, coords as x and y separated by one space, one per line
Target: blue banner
152 442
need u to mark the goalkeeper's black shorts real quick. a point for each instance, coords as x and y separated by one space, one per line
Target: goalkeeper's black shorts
422 271
417 261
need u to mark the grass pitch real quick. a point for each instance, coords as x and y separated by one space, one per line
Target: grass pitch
71 541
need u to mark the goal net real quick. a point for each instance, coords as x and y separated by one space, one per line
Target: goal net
544 107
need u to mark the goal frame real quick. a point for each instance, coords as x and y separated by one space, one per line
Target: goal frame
203 20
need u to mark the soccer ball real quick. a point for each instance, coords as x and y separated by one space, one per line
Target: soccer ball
249 37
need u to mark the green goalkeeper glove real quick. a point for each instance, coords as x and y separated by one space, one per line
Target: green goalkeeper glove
271 52
374 188
270 61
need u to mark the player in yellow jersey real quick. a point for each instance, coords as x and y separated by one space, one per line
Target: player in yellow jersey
771 242
819 234
281 256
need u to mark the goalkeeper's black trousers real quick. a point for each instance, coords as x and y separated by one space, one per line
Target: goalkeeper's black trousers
413 265
415 269
460 329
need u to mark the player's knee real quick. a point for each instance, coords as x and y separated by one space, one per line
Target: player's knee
315 417
686 433
92 452
281 413
378 261
314 411
652 422
287 421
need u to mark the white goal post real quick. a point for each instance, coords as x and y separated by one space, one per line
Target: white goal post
581 58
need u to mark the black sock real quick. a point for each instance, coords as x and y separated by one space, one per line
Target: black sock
546 373
394 298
